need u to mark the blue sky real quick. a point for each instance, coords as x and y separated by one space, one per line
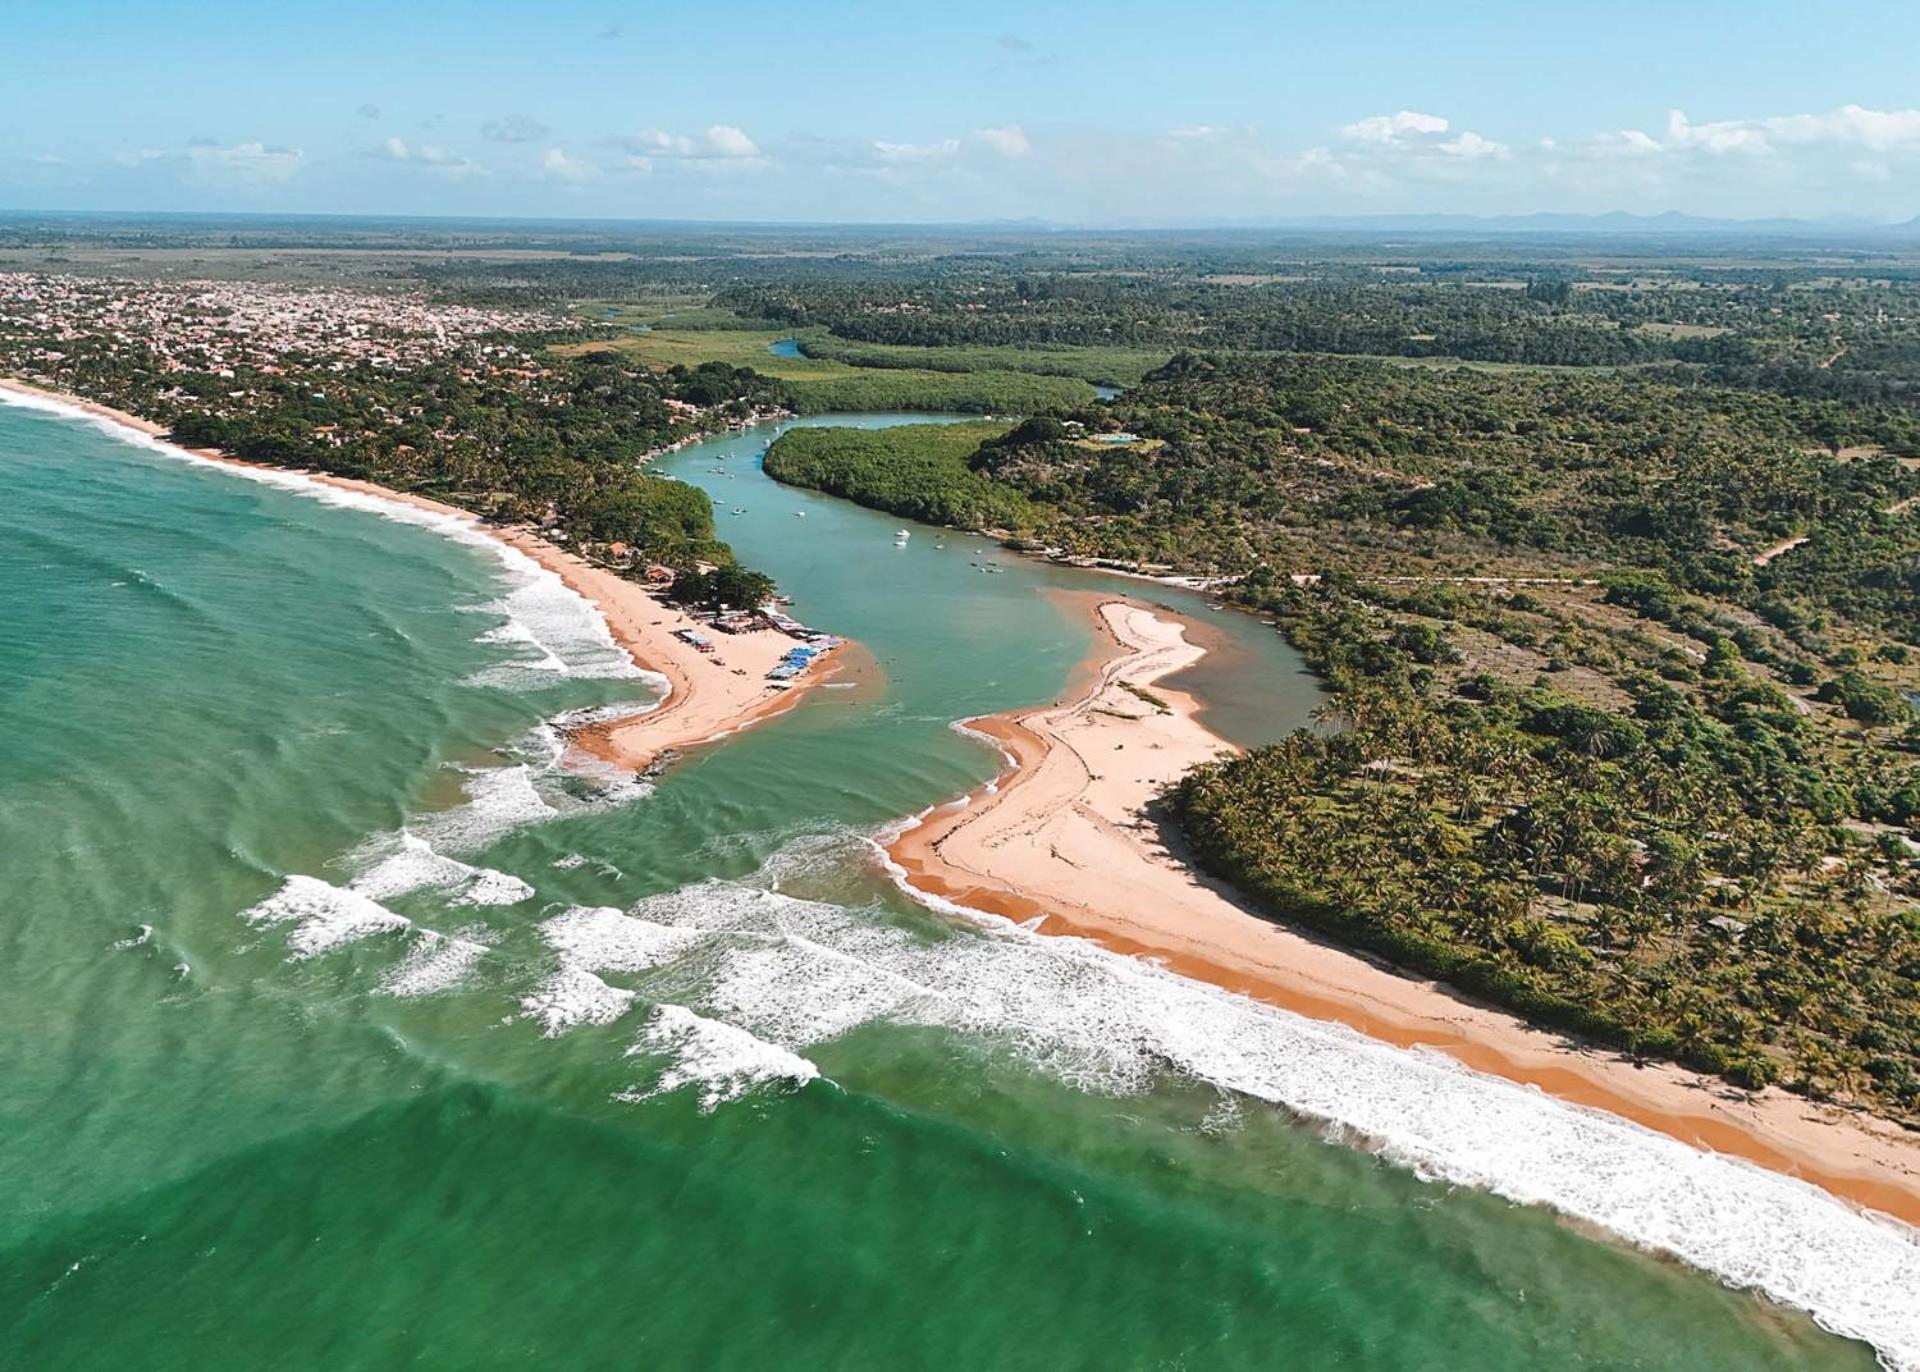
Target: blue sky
1121 113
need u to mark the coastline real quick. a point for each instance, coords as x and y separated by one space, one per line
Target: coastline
1060 838
707 696
1120 740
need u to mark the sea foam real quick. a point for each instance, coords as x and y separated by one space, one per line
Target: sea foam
721 1060
572 998
498 799
323 917
436 962
602 939
792 973
398 864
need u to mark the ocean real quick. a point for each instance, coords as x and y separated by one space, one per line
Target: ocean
346 1022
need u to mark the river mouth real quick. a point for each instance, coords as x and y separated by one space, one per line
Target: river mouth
709 1035
1254 686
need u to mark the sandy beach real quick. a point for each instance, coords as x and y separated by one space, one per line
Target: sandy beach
1062 836
709 696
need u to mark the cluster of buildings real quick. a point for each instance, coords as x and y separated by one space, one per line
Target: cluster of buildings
812 646
224 327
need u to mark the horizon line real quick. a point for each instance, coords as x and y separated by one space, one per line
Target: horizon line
1412 221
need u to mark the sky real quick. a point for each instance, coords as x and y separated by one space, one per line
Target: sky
1118 114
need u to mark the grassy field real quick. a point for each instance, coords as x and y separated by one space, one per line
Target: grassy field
667 347
822 386
641 313
1103 366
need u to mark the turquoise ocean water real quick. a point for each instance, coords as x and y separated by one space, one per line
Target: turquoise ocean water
344 1024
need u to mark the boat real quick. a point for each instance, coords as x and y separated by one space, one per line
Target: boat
901 536
799 514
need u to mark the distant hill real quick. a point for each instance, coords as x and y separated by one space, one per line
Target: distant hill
1615 223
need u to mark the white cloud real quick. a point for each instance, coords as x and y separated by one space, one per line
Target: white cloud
559 165
1878 130
1792 145
727 141
1470 145
1391 128
1850 125
658 143
1313 164
721 142
1728 135
242 164
1410 133
915 152
1010 141
435 159
1864 159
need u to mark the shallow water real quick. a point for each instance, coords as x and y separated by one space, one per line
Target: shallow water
341 1025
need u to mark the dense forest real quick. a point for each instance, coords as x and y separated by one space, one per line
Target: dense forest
1693 868
888 388
916 470
1841 335
568 459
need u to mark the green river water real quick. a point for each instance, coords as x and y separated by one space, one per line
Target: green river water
342 1026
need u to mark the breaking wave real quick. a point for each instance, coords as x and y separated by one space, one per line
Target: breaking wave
324 917
759 976
436 962
721 1060
410 863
